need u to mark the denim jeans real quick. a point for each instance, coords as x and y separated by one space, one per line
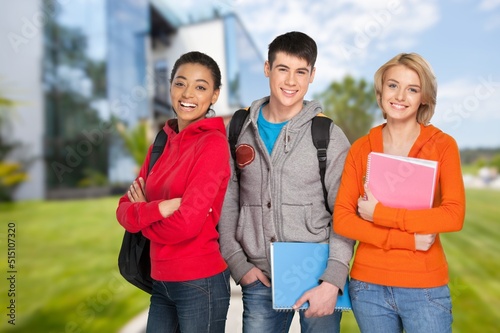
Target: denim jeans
259 316
190 306
389 309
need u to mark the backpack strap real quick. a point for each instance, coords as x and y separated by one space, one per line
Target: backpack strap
134 257
235 126
320 129
158 147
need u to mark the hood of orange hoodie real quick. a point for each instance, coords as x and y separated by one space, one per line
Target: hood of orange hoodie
427 133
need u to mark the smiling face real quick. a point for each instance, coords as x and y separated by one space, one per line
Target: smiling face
289 78
192 92
401 94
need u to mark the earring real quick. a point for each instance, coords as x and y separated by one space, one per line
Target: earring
210 113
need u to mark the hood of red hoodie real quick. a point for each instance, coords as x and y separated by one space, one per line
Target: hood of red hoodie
194 129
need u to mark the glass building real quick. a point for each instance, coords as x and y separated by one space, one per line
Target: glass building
109 61
75 90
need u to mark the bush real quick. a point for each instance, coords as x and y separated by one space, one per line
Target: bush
11 176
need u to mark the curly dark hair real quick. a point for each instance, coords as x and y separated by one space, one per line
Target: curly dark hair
196 57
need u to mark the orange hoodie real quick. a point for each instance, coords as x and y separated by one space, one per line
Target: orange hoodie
386 253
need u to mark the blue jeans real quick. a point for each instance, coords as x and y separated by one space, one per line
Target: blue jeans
259 316
190 306
390 309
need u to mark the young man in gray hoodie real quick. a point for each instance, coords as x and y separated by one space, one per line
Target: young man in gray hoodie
279 195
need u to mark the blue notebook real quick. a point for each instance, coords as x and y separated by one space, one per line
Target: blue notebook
296 268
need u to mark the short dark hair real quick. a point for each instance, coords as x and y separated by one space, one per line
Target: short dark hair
294 43
196 57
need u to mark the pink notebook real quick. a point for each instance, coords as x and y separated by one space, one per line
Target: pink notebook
401 182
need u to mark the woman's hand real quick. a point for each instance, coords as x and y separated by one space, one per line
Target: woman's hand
424 242
136 191
136 194
366 205
168 207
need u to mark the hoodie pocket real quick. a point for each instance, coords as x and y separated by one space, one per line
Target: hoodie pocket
250 232
299 226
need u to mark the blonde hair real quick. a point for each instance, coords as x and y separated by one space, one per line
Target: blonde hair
428 83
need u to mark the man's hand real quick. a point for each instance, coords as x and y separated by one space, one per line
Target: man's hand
253 275
322 300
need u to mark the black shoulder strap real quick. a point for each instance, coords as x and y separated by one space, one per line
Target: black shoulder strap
320 129
235 126
158 146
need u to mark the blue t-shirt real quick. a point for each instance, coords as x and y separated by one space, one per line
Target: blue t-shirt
268 131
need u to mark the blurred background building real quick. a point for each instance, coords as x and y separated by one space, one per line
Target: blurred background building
77 68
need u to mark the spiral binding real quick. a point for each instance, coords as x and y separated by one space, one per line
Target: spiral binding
366 180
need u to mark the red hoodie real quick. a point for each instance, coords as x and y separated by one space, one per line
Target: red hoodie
194 166
386 254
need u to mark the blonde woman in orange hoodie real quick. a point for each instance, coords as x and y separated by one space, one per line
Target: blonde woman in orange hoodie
399 277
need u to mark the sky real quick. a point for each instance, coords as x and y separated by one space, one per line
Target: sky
459 38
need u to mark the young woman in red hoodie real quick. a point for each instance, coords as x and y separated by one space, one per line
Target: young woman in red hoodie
178 203
400 274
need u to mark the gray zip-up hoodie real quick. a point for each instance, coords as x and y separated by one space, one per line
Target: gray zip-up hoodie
280 196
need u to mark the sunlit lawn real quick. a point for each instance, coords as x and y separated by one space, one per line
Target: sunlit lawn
474 261
67 279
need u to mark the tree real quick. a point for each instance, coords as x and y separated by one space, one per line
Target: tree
352 106
495 162
6 110
12 174
137 140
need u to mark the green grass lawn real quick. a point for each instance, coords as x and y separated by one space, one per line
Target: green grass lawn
67 278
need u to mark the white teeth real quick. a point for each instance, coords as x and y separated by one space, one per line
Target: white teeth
398 106
188 105
289 91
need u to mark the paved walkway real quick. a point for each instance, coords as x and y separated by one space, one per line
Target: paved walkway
233 324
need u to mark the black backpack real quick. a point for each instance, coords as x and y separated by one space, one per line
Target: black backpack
320 129
134 259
